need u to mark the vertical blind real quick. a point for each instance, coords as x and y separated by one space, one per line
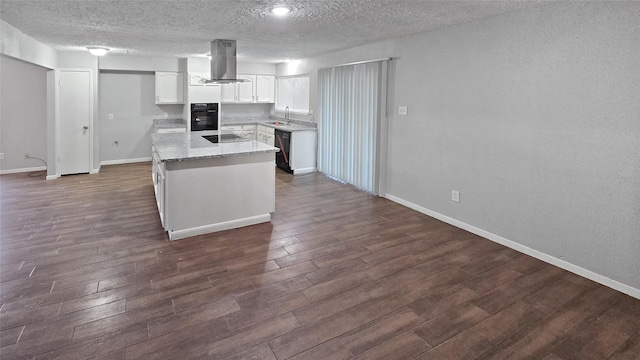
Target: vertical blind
349 103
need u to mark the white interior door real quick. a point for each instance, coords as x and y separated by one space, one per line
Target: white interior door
75 119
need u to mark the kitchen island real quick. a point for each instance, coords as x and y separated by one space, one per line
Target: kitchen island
203 187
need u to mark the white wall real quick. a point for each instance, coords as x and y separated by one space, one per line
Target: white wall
23 114
139 63
534 117
256 68
130 97
17 44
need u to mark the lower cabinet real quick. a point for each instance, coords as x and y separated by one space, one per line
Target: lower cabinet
302 152
246 131
159 184
249 131
265 134
232 129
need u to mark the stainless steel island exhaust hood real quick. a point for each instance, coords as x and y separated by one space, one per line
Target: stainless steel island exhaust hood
223 62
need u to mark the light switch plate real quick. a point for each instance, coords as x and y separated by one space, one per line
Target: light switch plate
455 195
1 156
402 110
110 116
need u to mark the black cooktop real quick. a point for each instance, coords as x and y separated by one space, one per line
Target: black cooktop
224 138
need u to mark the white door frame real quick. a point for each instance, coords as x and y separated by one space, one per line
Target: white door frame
58 125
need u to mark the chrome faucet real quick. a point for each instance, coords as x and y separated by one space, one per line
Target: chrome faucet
287 115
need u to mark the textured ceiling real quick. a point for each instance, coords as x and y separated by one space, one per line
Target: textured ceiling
185 28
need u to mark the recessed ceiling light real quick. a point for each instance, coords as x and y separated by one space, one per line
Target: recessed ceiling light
97 51
280 10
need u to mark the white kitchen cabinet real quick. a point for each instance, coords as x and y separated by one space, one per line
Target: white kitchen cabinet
265 88
302 152
233 129
228 93
256 89
246 92
169 87
249 132
159 179
265 134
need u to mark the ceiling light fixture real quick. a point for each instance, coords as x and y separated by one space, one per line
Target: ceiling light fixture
280 10
97 51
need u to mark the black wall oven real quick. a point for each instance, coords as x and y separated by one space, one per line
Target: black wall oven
204 116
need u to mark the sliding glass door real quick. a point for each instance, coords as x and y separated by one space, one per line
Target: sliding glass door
350 114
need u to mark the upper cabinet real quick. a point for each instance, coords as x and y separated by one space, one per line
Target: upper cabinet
169 87
255 89
265 88
246 90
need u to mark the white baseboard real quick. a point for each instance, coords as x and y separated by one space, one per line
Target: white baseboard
52 177
124 161
23 170
304 171
227 225
616 285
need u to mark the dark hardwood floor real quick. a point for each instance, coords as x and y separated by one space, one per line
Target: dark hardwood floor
87 272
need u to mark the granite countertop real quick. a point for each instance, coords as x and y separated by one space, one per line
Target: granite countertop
169 123
282 125
192 146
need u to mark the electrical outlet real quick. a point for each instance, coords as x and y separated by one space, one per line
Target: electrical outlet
402 110
1 156
26 155
110 116
455 196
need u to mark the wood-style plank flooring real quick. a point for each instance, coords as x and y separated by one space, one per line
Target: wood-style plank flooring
87 273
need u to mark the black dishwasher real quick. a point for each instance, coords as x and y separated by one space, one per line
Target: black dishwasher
283 142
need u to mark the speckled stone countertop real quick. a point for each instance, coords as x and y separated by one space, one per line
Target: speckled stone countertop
275 123
281 125
169 123
192 146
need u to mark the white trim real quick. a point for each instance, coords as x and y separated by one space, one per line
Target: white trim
616 285
52 177
23 170
57 125
125 161
358 63
303 171
181 234
56 122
